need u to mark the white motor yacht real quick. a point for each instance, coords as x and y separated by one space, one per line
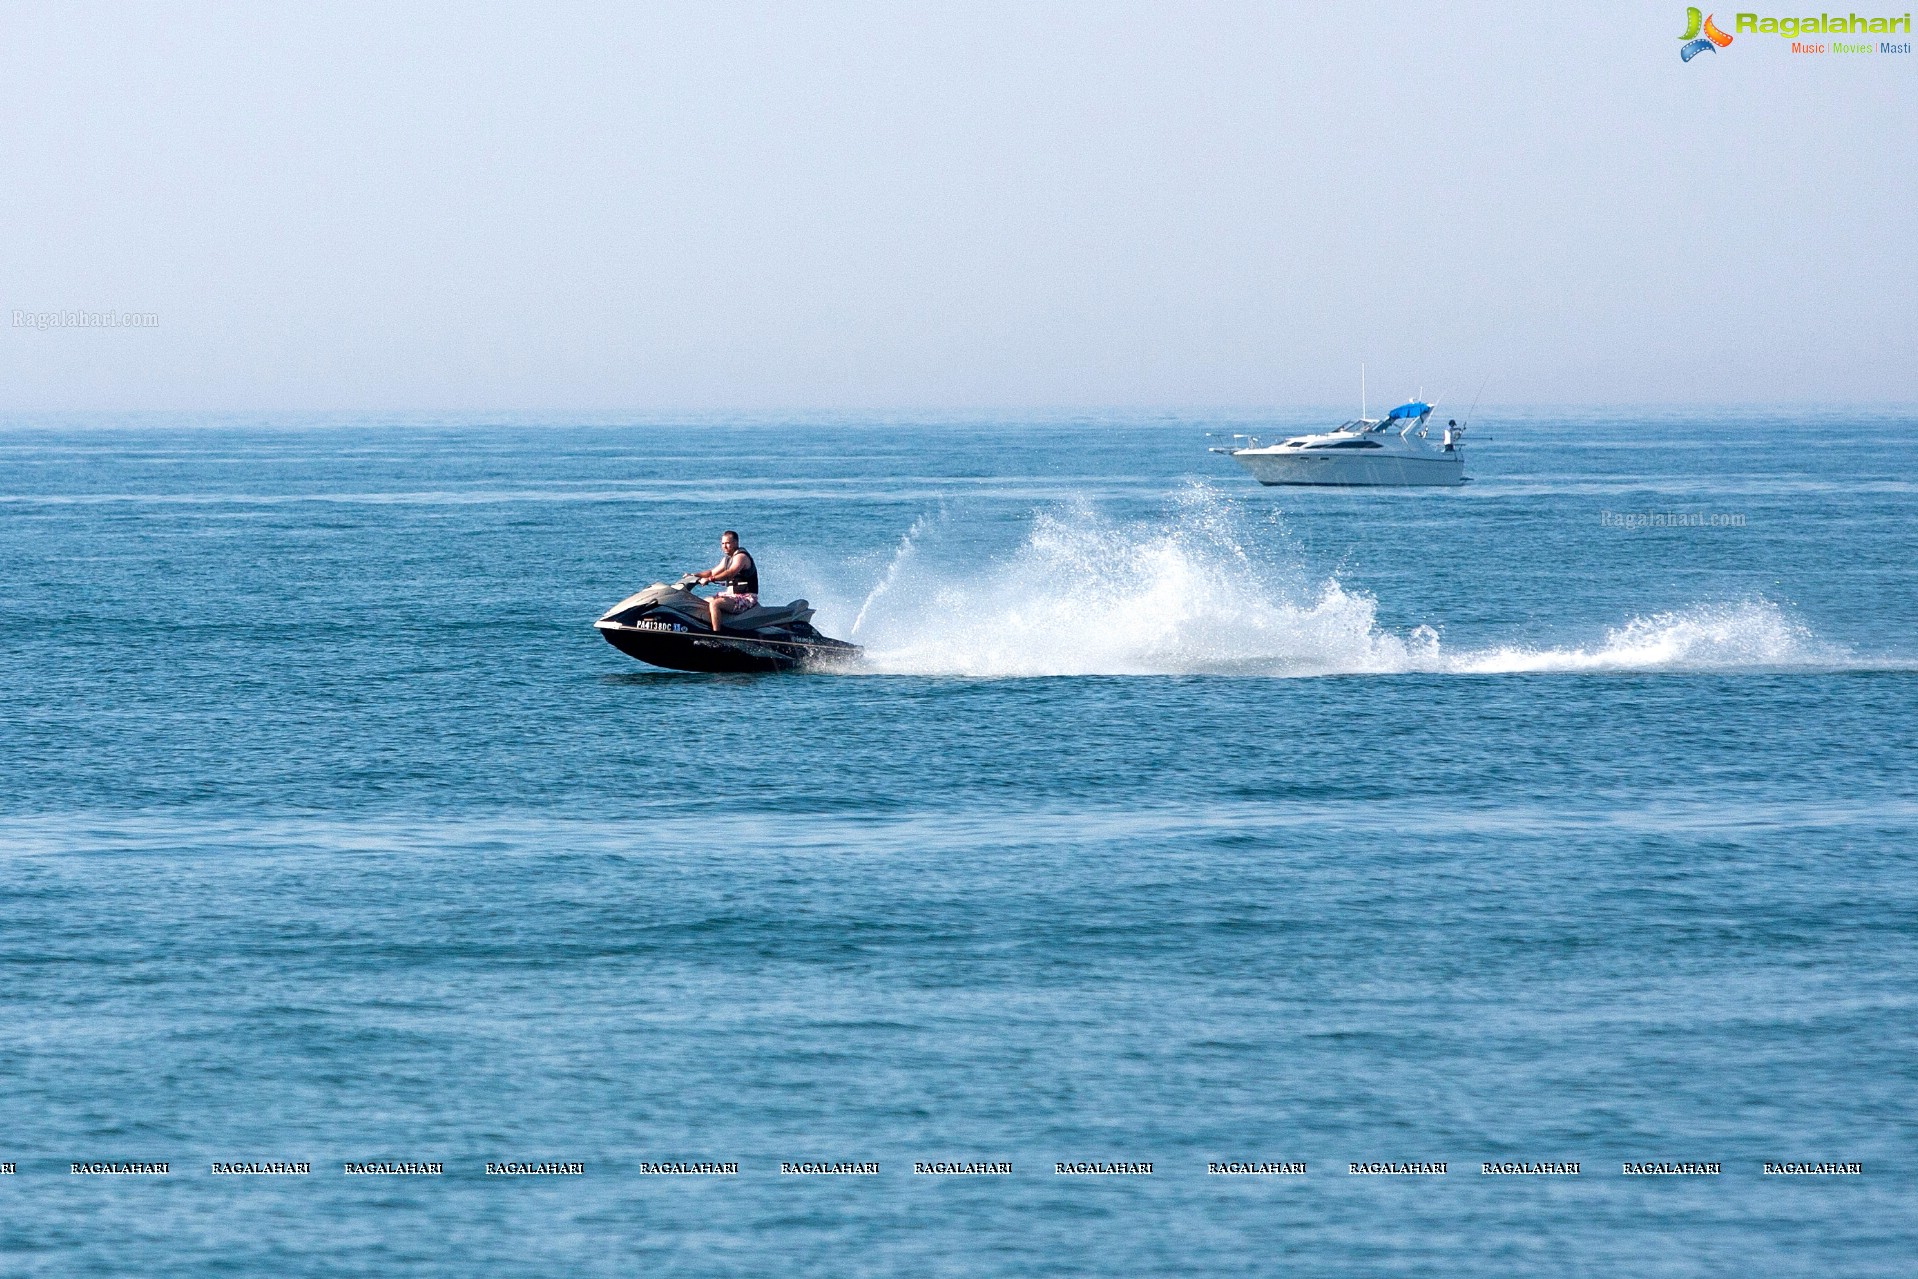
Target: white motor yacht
1396 450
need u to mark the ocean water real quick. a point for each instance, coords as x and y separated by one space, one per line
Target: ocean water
1568 816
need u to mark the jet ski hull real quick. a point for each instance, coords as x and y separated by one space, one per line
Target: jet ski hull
668 626
688 650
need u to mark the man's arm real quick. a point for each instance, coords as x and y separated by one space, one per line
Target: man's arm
721 569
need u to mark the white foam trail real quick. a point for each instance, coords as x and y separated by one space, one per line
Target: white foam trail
1752 633
1086 596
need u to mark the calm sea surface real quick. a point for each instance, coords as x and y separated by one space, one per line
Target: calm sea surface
1568 816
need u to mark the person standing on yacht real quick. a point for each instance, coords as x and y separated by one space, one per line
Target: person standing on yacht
741 576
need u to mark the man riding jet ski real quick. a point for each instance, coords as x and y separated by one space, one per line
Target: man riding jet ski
672 627
741 576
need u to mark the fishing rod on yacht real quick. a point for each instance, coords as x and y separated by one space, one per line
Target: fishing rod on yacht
1475 400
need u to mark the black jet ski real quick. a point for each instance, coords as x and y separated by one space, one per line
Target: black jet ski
668 626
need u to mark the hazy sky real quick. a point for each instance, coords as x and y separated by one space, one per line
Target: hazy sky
961 205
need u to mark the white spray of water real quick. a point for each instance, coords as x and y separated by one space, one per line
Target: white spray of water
1086 596
901 558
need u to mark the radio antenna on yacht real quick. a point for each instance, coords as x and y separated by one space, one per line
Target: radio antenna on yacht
1361 390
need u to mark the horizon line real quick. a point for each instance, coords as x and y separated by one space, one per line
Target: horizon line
957 413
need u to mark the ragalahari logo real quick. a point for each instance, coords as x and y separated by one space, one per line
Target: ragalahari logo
1711 42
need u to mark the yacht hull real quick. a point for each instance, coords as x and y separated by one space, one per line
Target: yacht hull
1335 469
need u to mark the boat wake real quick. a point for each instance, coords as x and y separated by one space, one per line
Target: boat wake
1084 595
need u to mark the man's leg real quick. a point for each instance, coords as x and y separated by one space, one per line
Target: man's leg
712 607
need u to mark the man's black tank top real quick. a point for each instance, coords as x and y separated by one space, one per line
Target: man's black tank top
746 580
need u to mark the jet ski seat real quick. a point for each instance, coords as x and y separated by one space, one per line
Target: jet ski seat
778 615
